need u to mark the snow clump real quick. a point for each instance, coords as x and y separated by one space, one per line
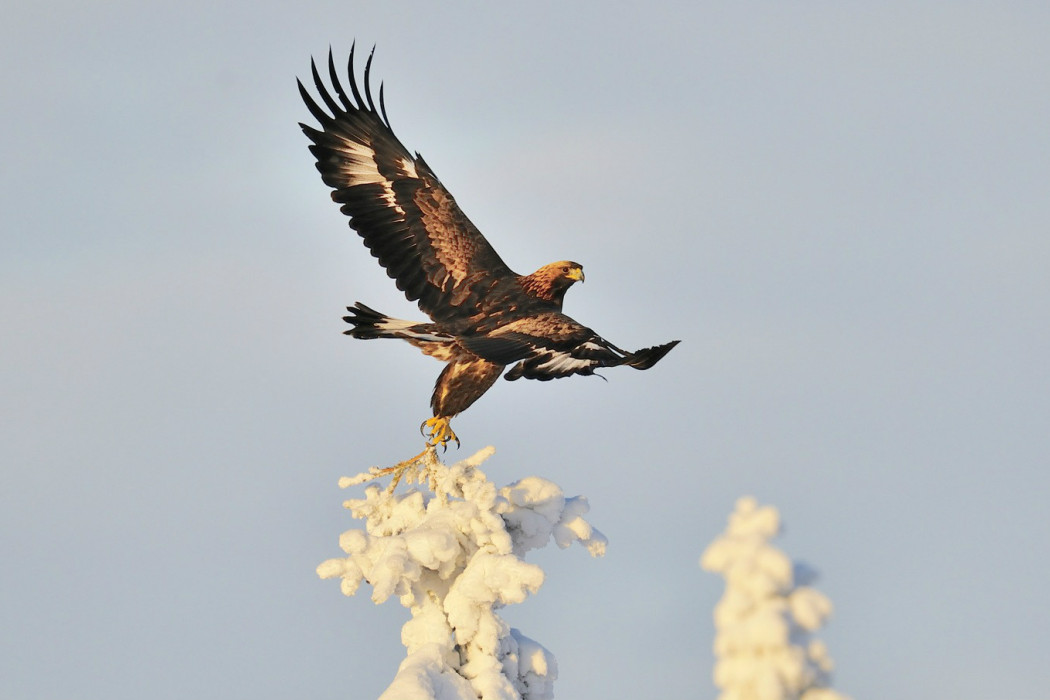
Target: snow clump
764 622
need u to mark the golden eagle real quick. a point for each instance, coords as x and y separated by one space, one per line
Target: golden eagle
484 316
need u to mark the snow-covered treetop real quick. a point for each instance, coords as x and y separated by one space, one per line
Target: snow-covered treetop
453 556
764 622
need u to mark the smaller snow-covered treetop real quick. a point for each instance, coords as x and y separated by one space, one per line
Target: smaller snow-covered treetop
453 557
764 622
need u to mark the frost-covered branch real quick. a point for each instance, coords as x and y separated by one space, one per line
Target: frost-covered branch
454 556
765 621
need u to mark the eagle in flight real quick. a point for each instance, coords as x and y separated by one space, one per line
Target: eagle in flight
484 316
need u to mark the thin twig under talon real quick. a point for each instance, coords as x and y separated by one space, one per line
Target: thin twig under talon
394 482
421 467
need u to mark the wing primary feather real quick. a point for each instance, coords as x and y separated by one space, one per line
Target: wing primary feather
368 86
382 107
333 107
314 108
353 78
338 86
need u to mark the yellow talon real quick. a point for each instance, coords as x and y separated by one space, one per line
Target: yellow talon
438 431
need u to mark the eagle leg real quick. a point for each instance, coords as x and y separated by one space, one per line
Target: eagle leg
438 431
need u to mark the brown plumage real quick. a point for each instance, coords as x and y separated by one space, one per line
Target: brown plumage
484 316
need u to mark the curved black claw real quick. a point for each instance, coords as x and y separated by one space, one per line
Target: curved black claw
438 431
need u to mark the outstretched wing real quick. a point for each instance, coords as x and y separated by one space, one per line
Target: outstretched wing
406 217
551 345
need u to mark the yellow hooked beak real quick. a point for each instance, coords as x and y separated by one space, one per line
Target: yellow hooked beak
576 274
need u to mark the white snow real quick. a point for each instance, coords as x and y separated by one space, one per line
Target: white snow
454 557
764 622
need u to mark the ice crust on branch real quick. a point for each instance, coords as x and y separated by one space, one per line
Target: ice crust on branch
764 623
454 556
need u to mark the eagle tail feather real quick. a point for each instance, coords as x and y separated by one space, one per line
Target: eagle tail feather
369 324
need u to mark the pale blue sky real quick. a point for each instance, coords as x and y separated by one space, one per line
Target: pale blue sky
841 210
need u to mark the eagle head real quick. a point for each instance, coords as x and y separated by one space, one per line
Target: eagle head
566 270
551 281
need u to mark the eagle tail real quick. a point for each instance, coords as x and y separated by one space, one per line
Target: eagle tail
369 324
647 357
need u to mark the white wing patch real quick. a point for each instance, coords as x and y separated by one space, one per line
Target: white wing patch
562 363
360 166
591 346
408 168
359 162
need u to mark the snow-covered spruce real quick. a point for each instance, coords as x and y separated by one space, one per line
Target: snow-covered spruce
453 557
764 622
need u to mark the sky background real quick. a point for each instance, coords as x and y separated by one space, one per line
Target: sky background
841 209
